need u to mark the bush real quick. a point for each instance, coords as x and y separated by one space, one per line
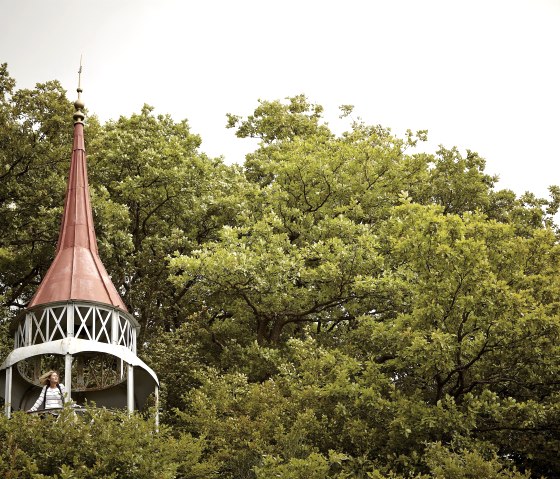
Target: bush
99 444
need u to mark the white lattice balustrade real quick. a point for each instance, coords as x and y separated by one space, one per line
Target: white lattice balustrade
89 321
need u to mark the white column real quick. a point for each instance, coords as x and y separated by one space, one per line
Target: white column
68 377
8 393
130 389
133 332
114 327
156 392
28 327
70 321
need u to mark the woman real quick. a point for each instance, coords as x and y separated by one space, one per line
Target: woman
52 394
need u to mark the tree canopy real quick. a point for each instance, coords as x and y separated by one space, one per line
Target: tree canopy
338 306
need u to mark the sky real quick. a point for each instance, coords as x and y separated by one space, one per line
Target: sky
482 75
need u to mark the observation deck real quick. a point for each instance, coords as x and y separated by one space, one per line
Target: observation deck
93 343
76 322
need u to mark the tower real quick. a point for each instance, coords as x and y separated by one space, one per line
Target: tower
77 318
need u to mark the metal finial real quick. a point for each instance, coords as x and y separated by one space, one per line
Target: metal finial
79 104
80 77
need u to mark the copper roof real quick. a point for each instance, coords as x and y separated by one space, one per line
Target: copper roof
77 272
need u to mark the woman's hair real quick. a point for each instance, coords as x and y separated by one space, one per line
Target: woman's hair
44 378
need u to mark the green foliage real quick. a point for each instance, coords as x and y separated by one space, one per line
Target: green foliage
156 195
274 121
449 464
323 405
101 444
306 239
315 466
337 307
34 149
179 357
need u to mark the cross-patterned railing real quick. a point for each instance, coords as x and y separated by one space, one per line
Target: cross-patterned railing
89 321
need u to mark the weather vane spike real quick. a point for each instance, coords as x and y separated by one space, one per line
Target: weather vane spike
80 77
79 104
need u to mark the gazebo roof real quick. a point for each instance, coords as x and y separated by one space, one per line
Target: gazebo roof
77 272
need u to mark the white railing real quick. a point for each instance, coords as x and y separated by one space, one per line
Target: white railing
89 321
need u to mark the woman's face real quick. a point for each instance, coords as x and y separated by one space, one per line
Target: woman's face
53 378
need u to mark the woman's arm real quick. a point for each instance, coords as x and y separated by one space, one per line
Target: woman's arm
39 401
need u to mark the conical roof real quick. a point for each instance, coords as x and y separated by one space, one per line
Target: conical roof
77 272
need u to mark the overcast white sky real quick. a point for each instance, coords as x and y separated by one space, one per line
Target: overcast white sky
478 74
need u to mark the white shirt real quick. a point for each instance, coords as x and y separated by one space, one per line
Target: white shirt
52 399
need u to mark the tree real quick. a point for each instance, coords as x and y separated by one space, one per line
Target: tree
431 288
34 159
339 306
155 195
306 239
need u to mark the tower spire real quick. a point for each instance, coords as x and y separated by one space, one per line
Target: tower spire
77 272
